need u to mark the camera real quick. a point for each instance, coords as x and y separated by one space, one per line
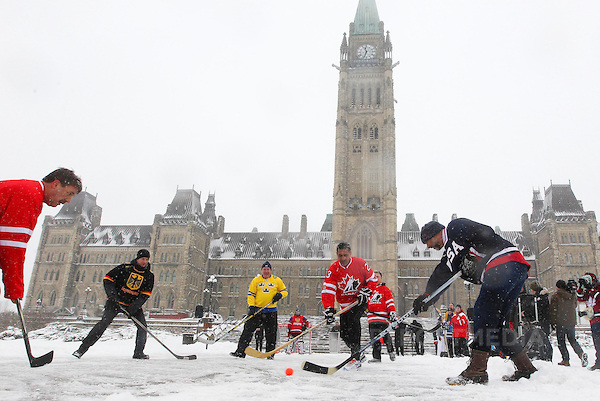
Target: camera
572 286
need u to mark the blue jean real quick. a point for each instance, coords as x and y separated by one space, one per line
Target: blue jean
563 333
499 291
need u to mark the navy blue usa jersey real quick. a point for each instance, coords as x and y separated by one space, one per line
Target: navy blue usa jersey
471 248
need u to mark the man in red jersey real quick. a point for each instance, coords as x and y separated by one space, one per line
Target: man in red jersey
382 311
348 279
21 203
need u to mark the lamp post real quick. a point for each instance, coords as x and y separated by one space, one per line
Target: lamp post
84 310
211 280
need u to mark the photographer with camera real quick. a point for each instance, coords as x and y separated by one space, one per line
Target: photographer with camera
562 315
589 292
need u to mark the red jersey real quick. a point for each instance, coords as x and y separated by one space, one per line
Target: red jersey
297 324
381 304
21 203
459 323
592 299
343 283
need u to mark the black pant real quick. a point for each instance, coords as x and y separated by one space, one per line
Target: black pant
350 327
374 330
399 338
112 309
266 320
460 346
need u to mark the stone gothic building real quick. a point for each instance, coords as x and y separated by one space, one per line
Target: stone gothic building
197 262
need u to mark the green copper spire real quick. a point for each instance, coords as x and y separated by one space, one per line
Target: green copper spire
366 20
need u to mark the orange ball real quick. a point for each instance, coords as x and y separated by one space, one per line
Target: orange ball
289 371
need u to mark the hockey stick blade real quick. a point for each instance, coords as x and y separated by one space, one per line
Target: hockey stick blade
312 367
139 324
34 362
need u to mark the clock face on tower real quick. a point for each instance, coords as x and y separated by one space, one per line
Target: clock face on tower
366 52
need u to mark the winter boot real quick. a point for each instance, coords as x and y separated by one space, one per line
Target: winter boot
140 355
523 365
476 372
584 359
238 354
564 363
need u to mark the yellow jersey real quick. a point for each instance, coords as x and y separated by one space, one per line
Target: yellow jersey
262 290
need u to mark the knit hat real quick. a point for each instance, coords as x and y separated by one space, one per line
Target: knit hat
430 230
267 264
143 253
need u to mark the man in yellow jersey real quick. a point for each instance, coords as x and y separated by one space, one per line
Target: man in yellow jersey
264 290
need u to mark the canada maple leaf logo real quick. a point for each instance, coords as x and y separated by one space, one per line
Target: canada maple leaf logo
350 284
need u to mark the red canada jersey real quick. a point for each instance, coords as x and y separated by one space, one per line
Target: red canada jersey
381 304
460 323
21 203
297 324
343 283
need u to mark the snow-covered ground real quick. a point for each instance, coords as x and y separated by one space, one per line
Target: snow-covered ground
107 372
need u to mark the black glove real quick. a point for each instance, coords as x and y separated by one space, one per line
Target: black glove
419 304
363 295
581 313
252 310
392 316
329 312
276 297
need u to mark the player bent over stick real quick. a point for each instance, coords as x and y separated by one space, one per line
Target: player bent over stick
484 258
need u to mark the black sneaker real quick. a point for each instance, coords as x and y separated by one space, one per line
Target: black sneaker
141 355
237 354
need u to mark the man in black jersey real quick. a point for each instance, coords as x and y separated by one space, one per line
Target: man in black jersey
128 286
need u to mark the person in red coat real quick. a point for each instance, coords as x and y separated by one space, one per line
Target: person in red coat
21 203
381 312
348 279
460 325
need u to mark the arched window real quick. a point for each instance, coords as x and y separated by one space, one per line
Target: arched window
53 298
156 303
173 276
374 132
357 132
171 300
75 299
364 243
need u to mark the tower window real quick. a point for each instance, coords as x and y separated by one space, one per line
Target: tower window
357 133
378 97
353 99
373 149
374 132
356 149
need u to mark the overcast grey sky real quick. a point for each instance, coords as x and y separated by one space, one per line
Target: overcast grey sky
238 97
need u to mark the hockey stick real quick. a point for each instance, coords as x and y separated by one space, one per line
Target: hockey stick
259 354
139 324
209 341
312 367
33 361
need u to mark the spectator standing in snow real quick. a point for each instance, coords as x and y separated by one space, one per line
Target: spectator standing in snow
128 286
399 338
542 304
419 337
296 325
21 203
460 326
563 305
265 290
